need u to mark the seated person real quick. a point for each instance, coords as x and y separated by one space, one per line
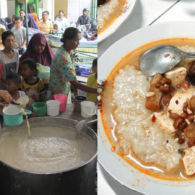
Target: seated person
45 24
31 83
56 31
92 82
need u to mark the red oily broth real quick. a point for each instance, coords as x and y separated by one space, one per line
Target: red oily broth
107 108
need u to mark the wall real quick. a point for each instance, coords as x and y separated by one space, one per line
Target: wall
61 5
75 8
3 8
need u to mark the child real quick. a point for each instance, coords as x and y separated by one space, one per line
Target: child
12 84
56 30
92 82
31 83
9 58
20 35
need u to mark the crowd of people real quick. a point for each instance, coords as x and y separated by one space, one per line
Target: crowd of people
87 27
19 74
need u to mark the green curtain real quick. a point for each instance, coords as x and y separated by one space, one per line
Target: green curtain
93 11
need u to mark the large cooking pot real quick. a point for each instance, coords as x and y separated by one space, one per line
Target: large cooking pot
79 180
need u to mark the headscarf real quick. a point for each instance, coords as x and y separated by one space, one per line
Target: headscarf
46 57
31 22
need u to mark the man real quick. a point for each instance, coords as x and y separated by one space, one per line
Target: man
61 21
45 24
84 19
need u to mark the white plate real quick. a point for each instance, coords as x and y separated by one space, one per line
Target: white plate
111 29
112 163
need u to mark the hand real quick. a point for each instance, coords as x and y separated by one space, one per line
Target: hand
6 96
3 104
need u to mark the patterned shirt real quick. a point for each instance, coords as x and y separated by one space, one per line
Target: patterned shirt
46 27
62 72
32 90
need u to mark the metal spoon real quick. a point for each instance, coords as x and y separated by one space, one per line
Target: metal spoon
162 58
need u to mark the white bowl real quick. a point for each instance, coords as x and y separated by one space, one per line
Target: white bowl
112 28
112 163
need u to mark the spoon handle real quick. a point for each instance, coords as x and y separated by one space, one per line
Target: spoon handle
189 55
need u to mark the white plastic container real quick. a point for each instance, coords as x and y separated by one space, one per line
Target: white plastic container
53 107
88 109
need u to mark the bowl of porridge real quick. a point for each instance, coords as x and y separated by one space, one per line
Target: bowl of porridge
111 14
146 124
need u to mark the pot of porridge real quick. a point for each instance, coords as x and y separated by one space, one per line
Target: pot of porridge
55 159
146 124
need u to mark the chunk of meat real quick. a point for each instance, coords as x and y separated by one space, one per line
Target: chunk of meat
189 133
177 75
180 124
153 102
155 80
154 95
165 122
192 104
189 161
166 99
177 102
191 73
192 69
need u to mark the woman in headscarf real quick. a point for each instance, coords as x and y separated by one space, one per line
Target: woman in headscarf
39 50
62 73
31 21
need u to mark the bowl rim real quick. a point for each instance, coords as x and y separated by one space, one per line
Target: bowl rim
11 114
118 22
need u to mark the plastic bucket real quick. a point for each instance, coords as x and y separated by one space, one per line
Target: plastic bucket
12 116
62 98
88 109
40 108
53 107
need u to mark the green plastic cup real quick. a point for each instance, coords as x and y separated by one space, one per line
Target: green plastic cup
40 108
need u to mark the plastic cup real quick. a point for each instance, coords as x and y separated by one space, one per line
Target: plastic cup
53 107
88 109
62 98
40 108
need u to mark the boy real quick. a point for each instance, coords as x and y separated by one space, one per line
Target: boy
20 35
92 82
